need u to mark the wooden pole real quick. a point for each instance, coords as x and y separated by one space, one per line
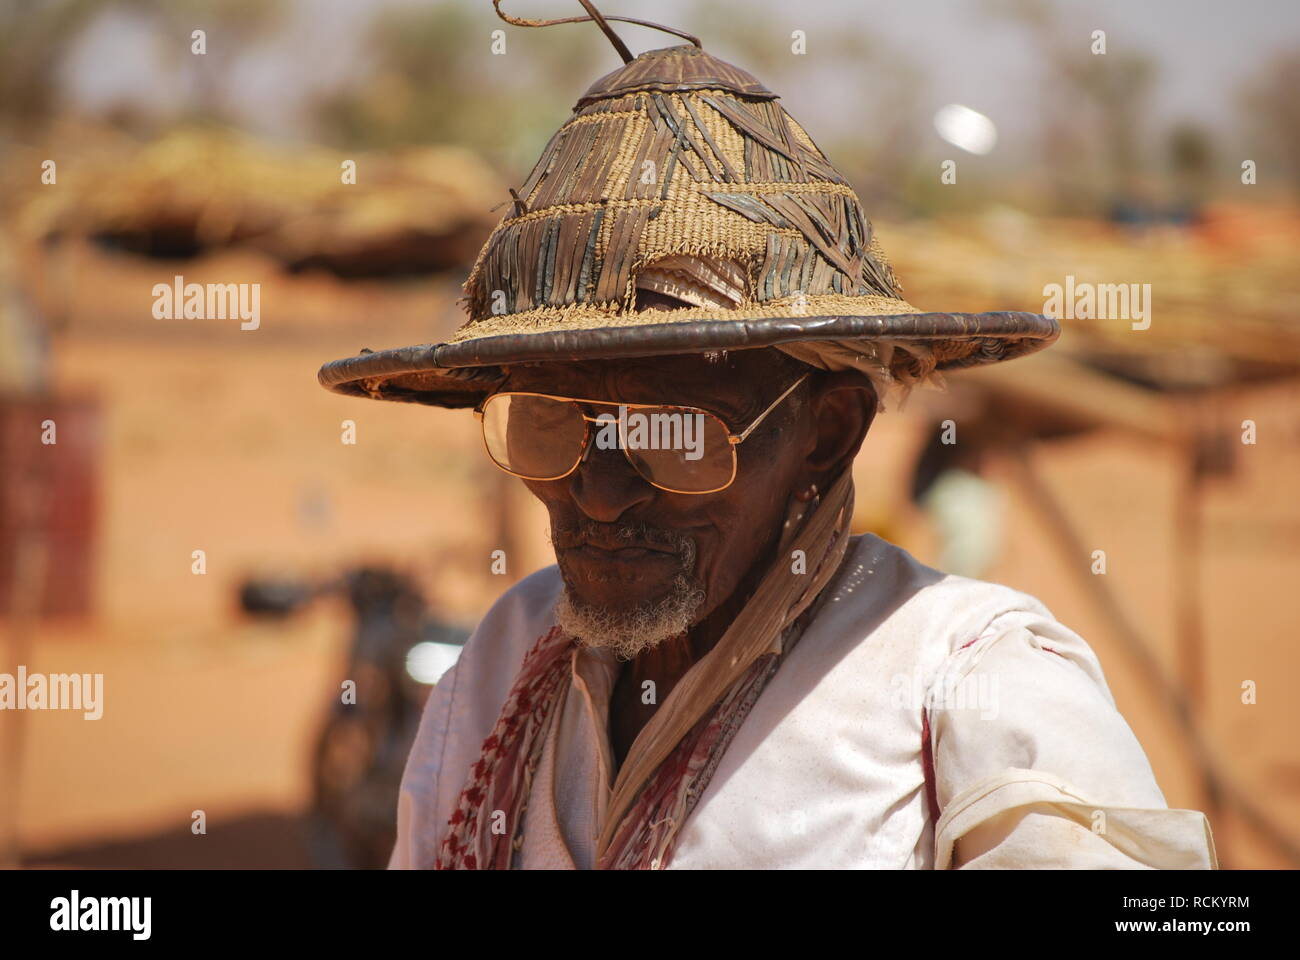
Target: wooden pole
1187 544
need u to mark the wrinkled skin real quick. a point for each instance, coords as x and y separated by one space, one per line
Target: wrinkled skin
807 440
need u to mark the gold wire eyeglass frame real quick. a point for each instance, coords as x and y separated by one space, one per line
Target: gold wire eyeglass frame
733 439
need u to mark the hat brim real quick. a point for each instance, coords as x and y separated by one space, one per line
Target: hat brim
460 374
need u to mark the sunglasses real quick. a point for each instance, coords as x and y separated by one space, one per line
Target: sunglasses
538 436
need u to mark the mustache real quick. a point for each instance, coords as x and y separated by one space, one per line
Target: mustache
565 536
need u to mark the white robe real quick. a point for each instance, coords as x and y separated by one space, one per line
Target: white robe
1033 765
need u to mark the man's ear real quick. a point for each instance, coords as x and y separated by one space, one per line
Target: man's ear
843 406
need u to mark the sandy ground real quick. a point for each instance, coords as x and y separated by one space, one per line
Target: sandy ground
221 440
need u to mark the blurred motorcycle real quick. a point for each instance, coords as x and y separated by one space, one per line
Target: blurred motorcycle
398 651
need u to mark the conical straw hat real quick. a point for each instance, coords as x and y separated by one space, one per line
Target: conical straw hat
679 167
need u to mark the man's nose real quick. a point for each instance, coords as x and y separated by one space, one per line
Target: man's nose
605 486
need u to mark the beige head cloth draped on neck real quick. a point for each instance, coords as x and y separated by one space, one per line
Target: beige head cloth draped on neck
759 631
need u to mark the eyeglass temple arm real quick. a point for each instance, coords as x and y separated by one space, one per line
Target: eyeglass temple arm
762 416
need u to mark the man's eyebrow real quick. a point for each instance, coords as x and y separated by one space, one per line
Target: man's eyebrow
731 408
731 412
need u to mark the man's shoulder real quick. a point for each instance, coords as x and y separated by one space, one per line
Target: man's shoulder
886 611
494 651
884 583
890 618
518 616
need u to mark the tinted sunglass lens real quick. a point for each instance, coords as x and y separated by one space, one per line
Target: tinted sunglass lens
534 437
681 450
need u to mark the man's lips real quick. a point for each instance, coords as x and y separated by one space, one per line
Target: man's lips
624 553
611 543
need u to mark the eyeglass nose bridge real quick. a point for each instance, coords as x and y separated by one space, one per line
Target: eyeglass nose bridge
588 446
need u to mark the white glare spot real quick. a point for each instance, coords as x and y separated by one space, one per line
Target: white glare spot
966 128
427 662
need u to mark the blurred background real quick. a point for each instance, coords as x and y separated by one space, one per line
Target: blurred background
1173 159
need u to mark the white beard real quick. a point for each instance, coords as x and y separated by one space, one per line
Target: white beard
633 631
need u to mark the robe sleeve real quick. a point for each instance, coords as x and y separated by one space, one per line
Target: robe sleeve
1034 766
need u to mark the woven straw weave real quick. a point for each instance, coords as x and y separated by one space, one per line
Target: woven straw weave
631 179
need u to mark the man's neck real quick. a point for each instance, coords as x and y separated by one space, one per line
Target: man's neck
646 681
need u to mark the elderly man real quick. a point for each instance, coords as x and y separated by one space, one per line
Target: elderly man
678 339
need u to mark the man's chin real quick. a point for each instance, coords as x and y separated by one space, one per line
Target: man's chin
618 587
629 628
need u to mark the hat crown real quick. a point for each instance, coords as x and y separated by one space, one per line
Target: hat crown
676 153
683 67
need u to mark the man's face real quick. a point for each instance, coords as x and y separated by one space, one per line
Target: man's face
638 560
